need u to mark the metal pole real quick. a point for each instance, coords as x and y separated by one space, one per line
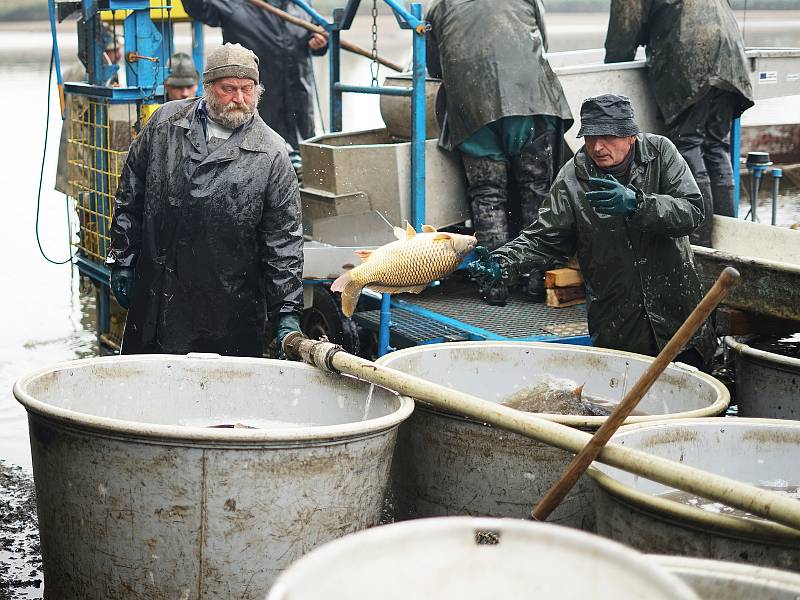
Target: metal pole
334 74
776 186
198 52
418 133
384 328
736 148
756 185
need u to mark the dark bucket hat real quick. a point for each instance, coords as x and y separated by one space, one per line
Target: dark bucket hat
608 114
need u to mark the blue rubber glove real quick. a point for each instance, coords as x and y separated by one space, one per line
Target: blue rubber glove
122 285
286 324
612 198
486 270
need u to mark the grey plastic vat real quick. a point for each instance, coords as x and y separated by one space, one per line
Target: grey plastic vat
450 465
632 510
462 558
139 498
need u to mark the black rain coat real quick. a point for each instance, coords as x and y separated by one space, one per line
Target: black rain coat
284 66
692 45
490 56
640 275
214 238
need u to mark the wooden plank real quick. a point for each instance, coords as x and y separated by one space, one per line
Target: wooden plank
558 300
562 278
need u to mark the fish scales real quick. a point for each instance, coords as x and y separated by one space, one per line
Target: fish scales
407 264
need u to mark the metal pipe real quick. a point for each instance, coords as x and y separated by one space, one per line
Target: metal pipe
198 52
413 19
759 502
418 133
315 16
382 90
776 188
334 64
385 325
56 58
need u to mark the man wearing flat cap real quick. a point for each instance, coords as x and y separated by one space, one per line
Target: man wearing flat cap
206 235
625 205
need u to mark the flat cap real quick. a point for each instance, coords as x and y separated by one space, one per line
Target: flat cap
231 60
608 114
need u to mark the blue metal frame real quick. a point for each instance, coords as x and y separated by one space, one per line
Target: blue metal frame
342 20
736 148
145 84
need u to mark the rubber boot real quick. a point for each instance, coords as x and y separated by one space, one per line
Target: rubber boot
723 200
487 182
702 235
497 295
534 289
533 173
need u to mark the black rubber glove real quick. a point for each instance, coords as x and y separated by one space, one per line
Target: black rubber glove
612 198
285 324
486 270
122 285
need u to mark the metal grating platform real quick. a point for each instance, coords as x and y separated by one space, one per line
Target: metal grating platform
410 329
470 318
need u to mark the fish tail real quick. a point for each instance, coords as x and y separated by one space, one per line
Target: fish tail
350 291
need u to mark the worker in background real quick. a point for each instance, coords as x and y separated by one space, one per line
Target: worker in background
112 54
206 234
505 113
283 51
699 76
183 78
625 204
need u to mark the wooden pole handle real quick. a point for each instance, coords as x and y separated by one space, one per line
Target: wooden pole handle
354 48
727 279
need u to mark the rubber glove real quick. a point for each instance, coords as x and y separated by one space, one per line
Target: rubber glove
122 285
486 269
286 324
612 198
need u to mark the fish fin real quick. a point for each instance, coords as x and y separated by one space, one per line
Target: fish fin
579 390
428 229
350 291
410 231
364 254
399 233
440 236
390 289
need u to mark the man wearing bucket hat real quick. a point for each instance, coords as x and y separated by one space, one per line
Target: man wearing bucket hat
206 235
183 78
699 77
625 204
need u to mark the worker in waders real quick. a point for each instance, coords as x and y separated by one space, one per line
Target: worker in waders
502 107
700 79
625 204
206 235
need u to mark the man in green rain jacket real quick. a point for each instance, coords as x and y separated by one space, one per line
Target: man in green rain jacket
625 204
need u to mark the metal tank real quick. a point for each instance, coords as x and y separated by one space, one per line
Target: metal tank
634 511
721 580
767 384
450 465
150 482
462 558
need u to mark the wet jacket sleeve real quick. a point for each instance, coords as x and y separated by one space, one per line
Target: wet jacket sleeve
211 12
280 236
626 33
677 209
547 242
126 223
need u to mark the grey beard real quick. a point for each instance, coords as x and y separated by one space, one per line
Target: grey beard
231 116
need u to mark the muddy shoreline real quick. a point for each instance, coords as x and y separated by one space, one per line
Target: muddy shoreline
20 559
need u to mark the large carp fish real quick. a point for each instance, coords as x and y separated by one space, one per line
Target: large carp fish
408 264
